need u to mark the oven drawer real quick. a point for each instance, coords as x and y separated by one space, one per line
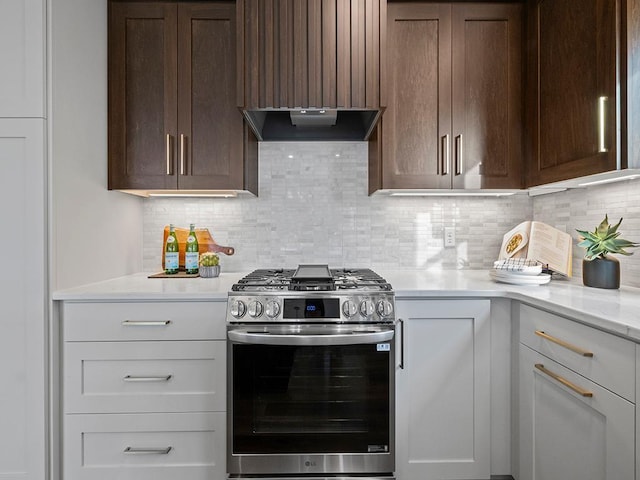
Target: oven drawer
145 446
127 377
569 343
123 321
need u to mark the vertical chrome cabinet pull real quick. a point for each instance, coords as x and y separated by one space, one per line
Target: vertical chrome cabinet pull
146 323
168 152
602 124
444 168
181 154
458 170
562 343
147 451
157 378
401 324
564 381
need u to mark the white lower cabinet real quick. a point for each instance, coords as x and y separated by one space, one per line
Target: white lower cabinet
443 390
145 447
572 427
142 398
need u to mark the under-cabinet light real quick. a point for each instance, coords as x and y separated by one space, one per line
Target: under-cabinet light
609 180
450 194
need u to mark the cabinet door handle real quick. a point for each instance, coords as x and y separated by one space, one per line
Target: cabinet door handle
168 153
181 154
146 323
602 124
158 378
562 343
564 381
146 451
401 323
444 161
458 154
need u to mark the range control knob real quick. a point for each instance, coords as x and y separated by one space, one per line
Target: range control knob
367 308
384 308
272 309
349 308
255 309
238 308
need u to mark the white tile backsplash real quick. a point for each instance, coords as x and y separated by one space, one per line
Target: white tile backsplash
313 207
585 208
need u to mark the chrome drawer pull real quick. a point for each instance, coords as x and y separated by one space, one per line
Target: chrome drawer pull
147 451
145 323
564 381
562 343
134 378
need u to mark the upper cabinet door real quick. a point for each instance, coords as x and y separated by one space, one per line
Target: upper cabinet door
487 96
572 89
416 126
22 56
142 95
209 123
310 53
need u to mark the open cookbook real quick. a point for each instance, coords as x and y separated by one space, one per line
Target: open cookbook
538 242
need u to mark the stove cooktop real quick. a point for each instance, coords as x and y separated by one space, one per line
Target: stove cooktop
312 278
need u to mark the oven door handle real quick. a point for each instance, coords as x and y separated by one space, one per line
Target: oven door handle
350 338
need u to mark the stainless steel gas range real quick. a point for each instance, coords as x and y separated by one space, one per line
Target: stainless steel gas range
312 375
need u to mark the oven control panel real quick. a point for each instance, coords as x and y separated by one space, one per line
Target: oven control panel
363 308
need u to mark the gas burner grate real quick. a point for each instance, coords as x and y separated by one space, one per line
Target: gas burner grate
359 279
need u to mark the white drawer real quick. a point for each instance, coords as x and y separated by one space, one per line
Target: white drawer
95 446
612 364
128 377
124 321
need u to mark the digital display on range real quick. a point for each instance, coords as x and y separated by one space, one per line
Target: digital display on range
296 308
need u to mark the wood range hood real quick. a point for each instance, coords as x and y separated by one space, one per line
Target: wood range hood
311 69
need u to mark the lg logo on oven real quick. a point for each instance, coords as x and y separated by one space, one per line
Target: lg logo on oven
309 463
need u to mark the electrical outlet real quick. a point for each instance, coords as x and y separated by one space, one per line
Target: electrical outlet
449 237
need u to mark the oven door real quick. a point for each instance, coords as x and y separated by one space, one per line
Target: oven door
311 399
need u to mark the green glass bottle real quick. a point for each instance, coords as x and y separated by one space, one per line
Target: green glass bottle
171 252
192 251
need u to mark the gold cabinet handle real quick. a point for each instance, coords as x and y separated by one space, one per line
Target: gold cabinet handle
168 152
562 343
602 124
181 154
564 381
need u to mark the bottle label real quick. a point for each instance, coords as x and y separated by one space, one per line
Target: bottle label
171 261
171 239
191 239
191 261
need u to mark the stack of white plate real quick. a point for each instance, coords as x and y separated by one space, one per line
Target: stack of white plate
520 273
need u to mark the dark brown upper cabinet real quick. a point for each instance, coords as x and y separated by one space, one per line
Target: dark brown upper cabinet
173 121
310 54
572 89
455 107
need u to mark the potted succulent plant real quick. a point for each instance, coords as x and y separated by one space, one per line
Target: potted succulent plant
598 268
209 265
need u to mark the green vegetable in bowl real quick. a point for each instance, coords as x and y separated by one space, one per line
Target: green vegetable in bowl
209 259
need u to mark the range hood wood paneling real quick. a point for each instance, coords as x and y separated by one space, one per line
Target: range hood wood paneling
311 54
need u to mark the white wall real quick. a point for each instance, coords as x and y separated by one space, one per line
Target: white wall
96 233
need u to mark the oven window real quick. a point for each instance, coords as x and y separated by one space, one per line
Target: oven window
310 399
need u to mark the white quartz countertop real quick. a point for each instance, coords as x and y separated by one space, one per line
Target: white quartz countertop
617 311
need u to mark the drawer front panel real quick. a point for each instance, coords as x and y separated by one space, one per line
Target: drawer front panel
126 377
147 446
612 364
124 321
